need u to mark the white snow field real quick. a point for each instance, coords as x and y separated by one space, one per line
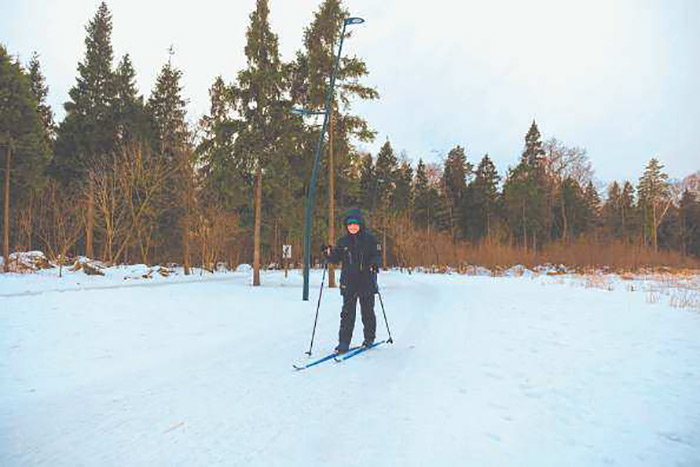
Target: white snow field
509 371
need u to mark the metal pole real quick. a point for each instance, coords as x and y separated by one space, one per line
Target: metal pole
318 306
310 199
391 340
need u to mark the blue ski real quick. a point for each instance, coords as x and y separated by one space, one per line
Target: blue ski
321 360
357 351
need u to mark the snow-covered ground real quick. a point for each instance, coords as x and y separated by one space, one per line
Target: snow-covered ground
508 371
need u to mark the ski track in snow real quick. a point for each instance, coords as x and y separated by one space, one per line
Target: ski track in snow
484 371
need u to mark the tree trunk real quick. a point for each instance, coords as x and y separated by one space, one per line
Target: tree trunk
654 238
258 211
90 221
564 219
186 243
6 217
331 201
623 233
187 179
488 224
384 265
524 228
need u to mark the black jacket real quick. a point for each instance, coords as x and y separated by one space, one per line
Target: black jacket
358 253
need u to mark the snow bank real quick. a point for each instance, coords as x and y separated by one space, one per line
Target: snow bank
485 371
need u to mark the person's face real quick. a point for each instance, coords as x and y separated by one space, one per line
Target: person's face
353 228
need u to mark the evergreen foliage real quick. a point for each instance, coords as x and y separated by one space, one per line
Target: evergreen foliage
244 169
88 133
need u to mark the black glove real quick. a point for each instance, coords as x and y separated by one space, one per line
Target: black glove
374 268
326 250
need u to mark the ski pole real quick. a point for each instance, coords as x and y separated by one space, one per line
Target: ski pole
318 305
390 341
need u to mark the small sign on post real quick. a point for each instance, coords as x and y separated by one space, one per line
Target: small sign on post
286 256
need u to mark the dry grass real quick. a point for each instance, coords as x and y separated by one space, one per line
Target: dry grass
436 252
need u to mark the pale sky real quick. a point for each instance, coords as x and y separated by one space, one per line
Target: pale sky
620 78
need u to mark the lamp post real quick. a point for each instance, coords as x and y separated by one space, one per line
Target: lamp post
311 196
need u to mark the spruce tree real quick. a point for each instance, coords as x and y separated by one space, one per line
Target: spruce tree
629 222
166 108
263 108
592 203
611 218
690 223
525 193
88 131
222 173
534 149
454 183
402 196
653 197
386 171
40 90
369 193
131 121
421 196
87 135
484 196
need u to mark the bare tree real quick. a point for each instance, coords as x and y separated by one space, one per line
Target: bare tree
60 221
214 231
562 162
124 193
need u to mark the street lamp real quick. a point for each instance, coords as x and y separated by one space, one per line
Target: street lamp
311 197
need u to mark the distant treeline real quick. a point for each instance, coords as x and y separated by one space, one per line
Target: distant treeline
124 178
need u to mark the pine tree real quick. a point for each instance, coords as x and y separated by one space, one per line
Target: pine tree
654 199
24 148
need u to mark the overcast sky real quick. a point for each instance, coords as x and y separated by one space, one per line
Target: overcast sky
620 78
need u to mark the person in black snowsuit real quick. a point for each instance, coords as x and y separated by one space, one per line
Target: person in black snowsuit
360 254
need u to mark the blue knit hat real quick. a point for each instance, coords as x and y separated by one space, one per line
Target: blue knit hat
353 216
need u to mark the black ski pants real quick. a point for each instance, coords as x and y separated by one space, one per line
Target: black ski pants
347 318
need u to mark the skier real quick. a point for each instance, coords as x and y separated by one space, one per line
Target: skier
360 255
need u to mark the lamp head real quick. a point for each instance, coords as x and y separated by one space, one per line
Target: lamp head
354 20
